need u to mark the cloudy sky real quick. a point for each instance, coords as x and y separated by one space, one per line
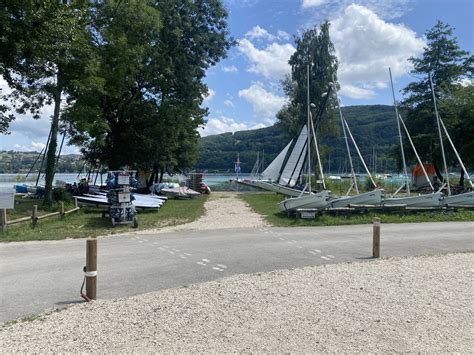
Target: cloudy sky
244 90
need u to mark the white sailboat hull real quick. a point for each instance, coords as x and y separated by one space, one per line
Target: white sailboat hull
368 198
317 200
465 199
284 190
428 200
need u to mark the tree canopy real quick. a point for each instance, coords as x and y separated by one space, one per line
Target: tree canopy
313 48
451 70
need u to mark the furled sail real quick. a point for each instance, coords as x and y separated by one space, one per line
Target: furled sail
273 170
294 164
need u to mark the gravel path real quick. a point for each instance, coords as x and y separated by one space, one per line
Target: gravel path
421 304
223 210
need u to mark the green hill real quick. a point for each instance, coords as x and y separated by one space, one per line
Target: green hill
373 127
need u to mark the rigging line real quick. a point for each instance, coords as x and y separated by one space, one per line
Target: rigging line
407 182
36 160
44 155
416 153
360 155
439 133
455 151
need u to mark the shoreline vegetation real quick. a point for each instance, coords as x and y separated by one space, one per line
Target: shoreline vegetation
88 221
265 204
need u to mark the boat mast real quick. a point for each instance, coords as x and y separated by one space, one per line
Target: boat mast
308 144
318 155
354 180
440 134
360 155
407 182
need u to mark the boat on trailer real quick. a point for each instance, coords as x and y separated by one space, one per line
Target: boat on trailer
373 197
434 199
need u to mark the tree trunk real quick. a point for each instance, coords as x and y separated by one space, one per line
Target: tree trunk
162 171
51 154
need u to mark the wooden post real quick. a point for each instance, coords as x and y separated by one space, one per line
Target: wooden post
61 209
376 238
3 219
75 202
91 268
34 215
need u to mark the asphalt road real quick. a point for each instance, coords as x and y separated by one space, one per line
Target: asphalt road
39 276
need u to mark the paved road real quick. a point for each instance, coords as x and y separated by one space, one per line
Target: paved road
37 276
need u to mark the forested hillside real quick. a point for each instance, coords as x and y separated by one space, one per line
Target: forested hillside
373 127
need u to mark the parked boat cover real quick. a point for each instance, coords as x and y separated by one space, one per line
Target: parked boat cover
273 170
292 169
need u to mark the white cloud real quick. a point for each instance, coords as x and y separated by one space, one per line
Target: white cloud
264 103
271 62
366 46
223 124
283 35
228 103
210 94
258 32
230 69
312 3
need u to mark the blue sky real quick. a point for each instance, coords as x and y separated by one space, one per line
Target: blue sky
245 93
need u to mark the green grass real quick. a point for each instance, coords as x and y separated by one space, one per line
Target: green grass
88 221
266 204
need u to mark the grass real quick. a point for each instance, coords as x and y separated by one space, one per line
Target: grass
266 204
88 221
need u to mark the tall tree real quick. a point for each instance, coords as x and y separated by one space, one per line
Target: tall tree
315 48
44 47
148 110
451 69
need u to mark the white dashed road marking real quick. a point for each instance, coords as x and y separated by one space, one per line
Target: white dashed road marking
222 266
325 258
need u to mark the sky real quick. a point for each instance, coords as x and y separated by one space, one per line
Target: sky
244 89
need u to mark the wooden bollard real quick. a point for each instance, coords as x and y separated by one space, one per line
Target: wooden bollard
61 209
34 215
376 238
75 202
91 269
3 219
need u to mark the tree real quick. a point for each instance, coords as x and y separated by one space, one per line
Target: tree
148 109
315 48
450 68
44 51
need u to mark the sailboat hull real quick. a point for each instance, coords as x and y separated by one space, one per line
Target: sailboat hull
284 190
368 198
428 200
317 200
465 199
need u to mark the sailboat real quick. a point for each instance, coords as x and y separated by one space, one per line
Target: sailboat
373 197
311 200
462 199
284 172
433 199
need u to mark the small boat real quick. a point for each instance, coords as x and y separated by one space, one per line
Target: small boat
181 192
373 197
310 201
463 199
434 199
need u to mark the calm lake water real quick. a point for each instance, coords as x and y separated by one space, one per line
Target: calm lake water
8 180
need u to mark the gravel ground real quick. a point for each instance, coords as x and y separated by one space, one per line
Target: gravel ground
223 210
421 304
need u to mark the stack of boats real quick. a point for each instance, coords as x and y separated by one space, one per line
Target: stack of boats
287 170
138 200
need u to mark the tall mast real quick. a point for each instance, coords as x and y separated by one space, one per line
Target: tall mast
407 182
308 144
440 134
347 144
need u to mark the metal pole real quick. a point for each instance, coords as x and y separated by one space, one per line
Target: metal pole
407 182
317 154
308 144
440 134
347 144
